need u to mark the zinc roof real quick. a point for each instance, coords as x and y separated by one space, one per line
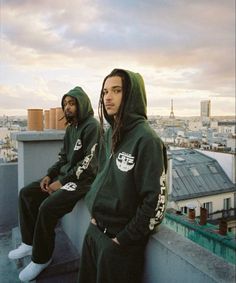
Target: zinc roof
195 174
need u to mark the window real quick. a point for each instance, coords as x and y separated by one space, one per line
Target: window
226 207
184 209
227 203
208 206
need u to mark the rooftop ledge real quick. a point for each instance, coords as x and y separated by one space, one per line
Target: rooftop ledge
206 236
188 261
46 135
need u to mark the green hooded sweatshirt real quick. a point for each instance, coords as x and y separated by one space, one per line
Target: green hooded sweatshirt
128 195
77 164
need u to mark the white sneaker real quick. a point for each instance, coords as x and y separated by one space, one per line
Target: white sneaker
22 251
32 270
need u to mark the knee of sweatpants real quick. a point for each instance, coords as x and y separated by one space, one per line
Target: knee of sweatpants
45 207
23 192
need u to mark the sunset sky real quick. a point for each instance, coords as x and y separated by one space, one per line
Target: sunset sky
184 49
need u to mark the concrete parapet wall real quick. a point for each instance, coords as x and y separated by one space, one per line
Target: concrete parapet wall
8 196
170 257
207 236
37 151
75 224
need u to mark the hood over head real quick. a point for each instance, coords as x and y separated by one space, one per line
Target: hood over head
84 107
135 106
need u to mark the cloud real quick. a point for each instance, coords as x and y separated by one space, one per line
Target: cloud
182 47
25 97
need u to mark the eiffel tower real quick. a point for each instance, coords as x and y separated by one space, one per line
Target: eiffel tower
172 115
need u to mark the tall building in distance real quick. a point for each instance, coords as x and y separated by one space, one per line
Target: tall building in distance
205 109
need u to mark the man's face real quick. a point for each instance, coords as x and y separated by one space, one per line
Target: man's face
70 108
112 95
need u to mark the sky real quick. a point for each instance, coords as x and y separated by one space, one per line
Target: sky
184 49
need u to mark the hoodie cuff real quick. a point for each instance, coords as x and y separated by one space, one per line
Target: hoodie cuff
62 180
52 174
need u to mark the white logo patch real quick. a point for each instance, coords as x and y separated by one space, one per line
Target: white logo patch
86 162
161 203
78 145
125 161
69 187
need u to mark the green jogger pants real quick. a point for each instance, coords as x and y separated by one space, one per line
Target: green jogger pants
103 261
39 213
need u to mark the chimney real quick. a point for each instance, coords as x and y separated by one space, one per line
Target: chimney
35 119
46 119
223 227
191 211
60 119
203 216
52 118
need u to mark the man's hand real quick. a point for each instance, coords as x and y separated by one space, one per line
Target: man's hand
45 183
116 241
54 187
94 222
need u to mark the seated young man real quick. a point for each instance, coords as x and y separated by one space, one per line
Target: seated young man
43 203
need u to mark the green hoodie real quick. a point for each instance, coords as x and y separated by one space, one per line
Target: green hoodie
128 195
77 164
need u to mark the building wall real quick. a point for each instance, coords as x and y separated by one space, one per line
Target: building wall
214 125
195 125
3 133
231 142
217 202
227 129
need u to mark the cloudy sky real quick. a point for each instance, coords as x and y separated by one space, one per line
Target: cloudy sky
184 49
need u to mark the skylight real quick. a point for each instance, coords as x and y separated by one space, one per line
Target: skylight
212 169
181 159
194 171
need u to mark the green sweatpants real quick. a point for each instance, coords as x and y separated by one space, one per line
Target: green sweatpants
103 261
39 213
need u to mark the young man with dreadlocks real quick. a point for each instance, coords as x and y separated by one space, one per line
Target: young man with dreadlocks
43 203
127 199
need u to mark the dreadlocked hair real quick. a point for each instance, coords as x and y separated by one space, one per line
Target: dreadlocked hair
117 123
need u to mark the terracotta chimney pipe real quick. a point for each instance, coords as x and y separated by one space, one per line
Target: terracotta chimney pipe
35 119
